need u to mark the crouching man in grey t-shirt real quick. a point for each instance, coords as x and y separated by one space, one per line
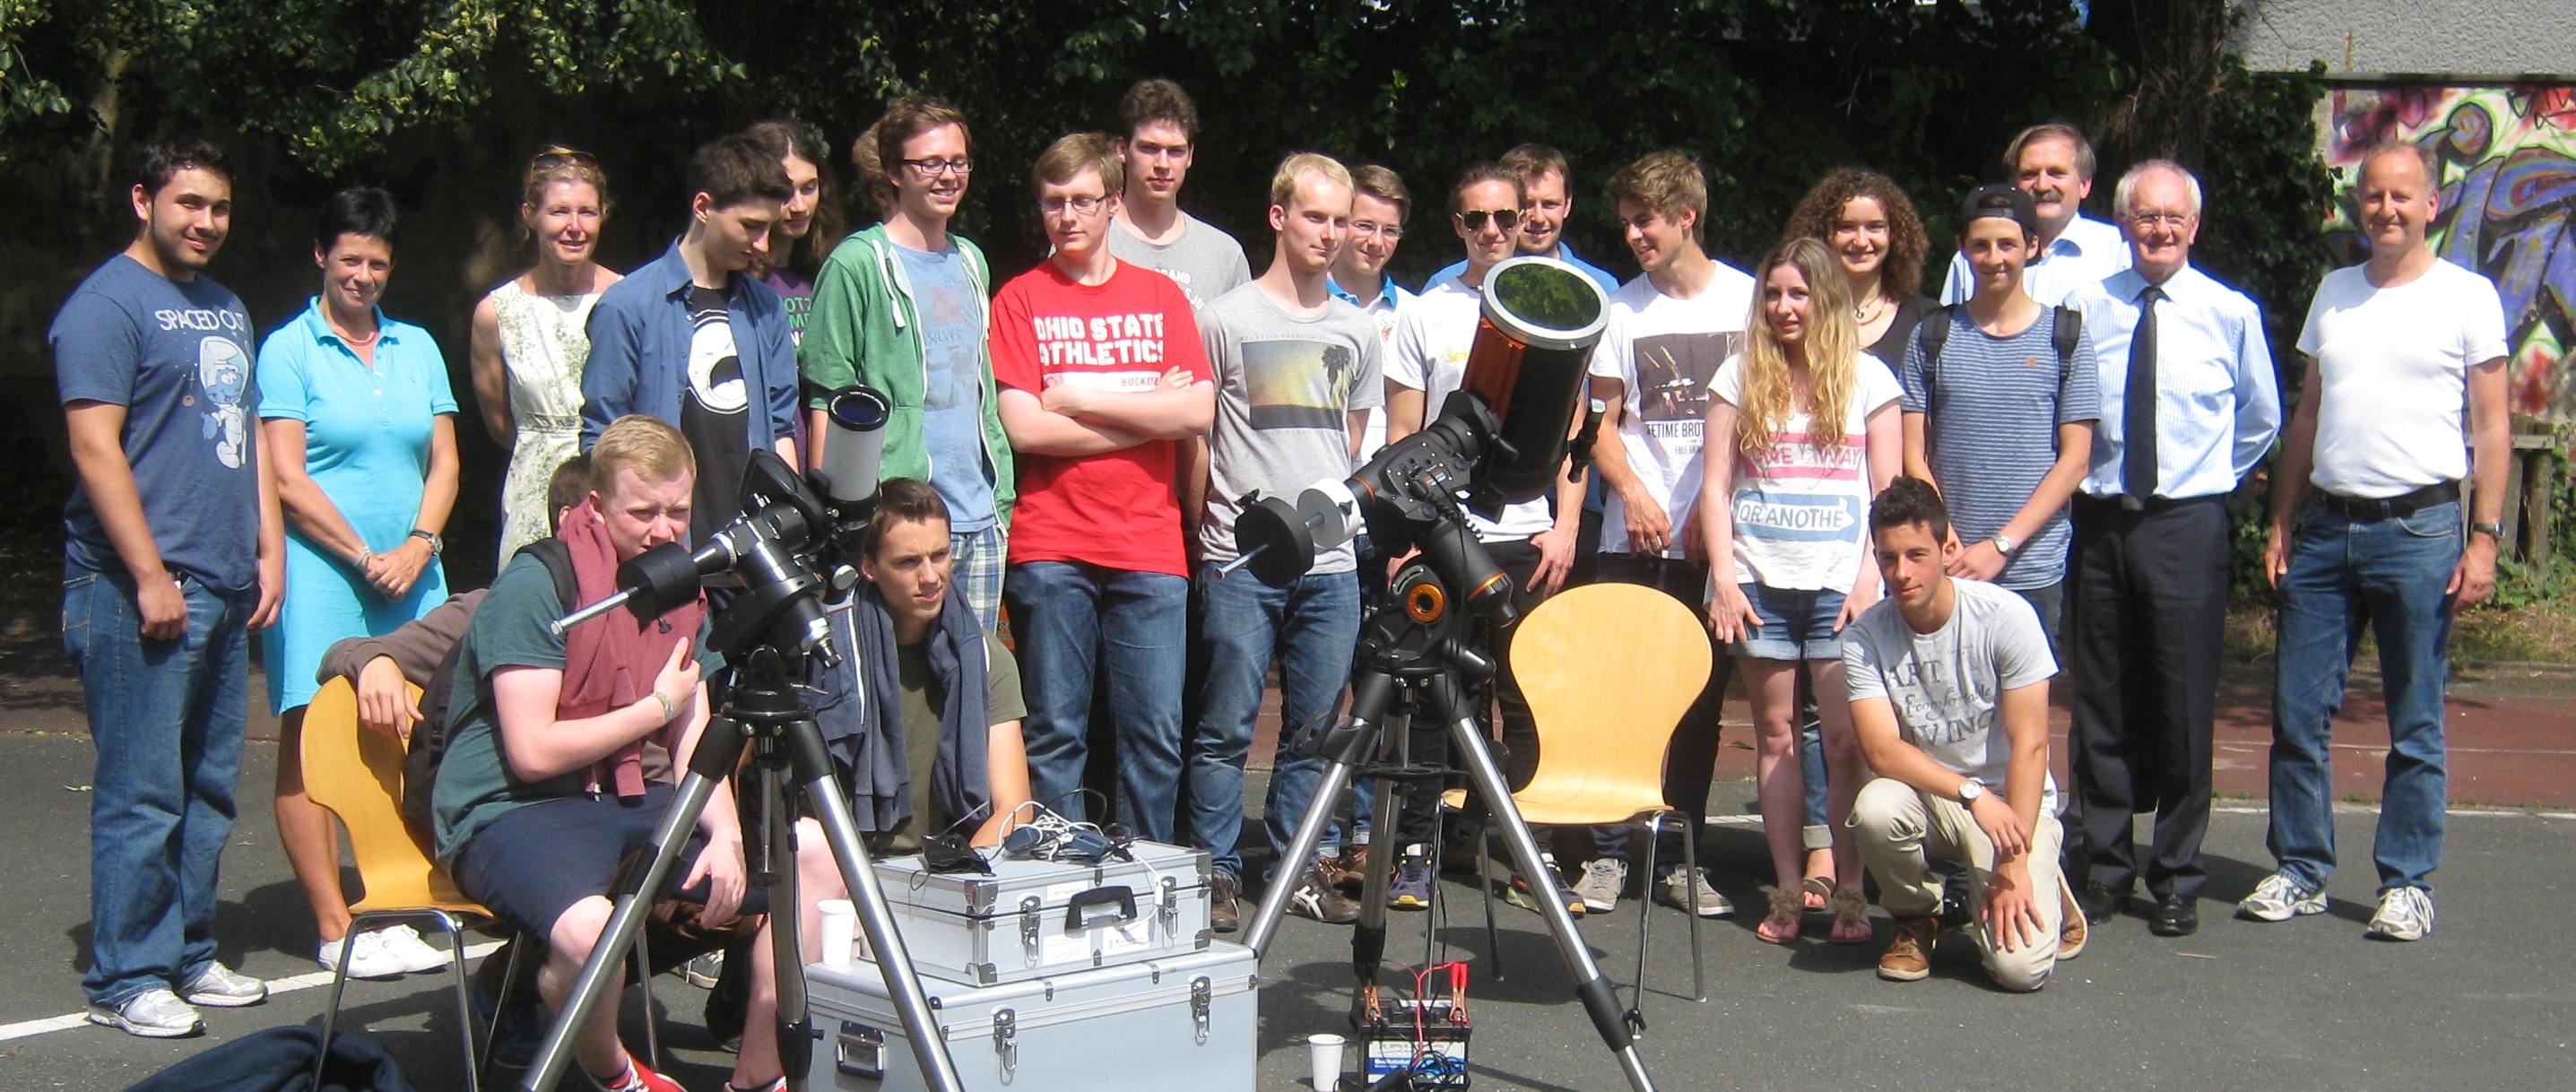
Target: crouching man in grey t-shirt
1949 691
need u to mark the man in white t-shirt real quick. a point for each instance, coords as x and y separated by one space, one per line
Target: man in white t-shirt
2406 373
1669 330
2053 163
1949 693
1531 542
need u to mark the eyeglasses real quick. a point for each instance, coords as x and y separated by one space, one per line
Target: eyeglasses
933 168
2159 219
1474 219
556 155
1388 232
1082 206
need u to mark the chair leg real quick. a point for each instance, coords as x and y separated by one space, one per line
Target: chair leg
644 978
519 945
1485 881
464 1002
1690 861
1646 909
331 1014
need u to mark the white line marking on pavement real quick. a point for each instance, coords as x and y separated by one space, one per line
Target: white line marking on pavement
29 1028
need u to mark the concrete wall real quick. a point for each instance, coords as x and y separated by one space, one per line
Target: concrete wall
2472 37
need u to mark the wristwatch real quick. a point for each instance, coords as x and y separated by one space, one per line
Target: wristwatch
437 545
2489 526
2004 544
1970 790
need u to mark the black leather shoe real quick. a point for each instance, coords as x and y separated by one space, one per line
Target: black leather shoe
2100 902
2175 916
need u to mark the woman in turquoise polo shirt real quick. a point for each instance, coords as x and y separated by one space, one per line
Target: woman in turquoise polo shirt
360 426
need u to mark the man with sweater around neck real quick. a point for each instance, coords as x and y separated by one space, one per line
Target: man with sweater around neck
1101 375
1296 371
1160 127
901 307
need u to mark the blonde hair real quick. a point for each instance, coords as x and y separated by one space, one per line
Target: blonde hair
1668 182
1283 185
1071 154
647 445
1832 347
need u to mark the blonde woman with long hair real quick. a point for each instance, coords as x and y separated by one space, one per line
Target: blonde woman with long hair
1802 431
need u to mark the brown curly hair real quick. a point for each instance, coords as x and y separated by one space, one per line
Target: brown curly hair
1902 274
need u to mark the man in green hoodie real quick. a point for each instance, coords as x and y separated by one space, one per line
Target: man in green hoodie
902 308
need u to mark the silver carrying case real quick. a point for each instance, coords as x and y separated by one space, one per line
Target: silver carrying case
1184 1021
1035 918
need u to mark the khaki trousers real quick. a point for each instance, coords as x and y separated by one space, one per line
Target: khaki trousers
1901 831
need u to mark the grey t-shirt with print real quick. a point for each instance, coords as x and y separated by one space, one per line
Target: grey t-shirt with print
1285 387
1948 685
1205 261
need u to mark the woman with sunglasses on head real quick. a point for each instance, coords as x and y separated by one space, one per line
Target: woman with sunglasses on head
1865 219
361 434
1803 430
530 337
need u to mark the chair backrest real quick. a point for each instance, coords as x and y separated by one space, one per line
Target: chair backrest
358 774
1608 669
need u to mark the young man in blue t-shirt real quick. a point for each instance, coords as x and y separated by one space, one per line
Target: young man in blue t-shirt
173 550
2002 422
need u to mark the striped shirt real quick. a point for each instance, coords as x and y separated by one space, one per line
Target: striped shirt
1995 405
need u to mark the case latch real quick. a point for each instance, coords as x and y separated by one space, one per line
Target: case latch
1202 995
1006 1027
1029 928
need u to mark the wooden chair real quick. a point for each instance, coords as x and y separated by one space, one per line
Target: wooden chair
1609 670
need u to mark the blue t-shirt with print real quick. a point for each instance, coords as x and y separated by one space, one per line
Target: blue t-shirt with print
177 356
950 309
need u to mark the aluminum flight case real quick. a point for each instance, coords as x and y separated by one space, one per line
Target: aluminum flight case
1189 1020
1035 918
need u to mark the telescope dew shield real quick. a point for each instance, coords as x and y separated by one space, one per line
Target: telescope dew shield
1529 362
855 417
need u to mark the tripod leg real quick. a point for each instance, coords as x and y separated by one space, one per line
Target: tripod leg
631 903
786 915
1370 692
1467 745
903 985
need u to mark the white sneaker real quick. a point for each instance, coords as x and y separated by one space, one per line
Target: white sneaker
367 957
222 987
2405 913
2280 898
1688 890
155 1013
416 953
1604 878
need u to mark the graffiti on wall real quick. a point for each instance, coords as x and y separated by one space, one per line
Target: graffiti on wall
2508 192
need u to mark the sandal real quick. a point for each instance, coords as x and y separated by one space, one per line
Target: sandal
1851 918
1814 893
1781 925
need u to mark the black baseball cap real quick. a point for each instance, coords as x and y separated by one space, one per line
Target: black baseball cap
1999 200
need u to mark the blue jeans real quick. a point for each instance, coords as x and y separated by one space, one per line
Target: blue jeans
1312 626
167 719
1076 621
2391 575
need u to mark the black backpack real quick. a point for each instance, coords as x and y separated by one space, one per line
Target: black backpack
2066 329
429 737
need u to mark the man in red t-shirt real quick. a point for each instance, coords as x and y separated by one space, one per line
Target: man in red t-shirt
1100 371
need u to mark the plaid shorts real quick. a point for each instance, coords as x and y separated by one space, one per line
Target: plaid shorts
976 566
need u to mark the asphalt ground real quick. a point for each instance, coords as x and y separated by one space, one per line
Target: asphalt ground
2485 1003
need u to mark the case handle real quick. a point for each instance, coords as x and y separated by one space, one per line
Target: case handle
1079 911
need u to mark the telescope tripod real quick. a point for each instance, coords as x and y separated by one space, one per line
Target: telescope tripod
763 712
1420 647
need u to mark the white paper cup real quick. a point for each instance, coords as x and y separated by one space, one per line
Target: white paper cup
1324 1052
840 931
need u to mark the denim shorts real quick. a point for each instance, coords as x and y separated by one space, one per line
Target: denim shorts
1796 625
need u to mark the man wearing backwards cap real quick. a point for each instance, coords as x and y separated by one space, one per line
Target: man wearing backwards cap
2000 422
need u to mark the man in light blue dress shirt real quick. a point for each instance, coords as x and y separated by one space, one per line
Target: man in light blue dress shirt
2053 163
2190 406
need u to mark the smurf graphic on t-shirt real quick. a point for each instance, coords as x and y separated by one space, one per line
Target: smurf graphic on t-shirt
223 372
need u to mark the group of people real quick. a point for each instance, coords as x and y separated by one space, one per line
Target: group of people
1895 512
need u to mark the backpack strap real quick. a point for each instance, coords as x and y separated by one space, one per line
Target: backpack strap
1932 334
2065 330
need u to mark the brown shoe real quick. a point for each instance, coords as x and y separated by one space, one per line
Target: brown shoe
1225 903
1909 949
1348 870
2072 935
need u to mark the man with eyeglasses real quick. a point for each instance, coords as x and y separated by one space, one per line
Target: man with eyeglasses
2189 408
1530 541
1101 374
1159 124
902 308
1547 203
